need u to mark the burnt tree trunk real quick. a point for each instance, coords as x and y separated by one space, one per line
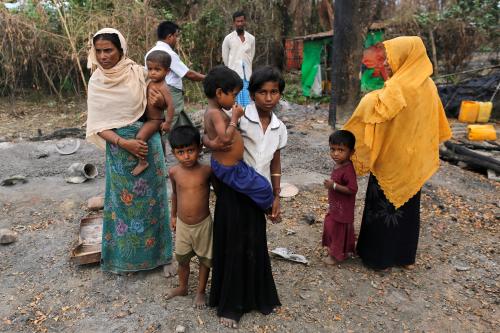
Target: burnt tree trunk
351 21
299 14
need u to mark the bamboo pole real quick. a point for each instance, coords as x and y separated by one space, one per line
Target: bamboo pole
146 22
74 54
467 71
51 83
434 53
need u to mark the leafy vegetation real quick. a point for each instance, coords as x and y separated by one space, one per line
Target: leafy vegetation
460 28
44 44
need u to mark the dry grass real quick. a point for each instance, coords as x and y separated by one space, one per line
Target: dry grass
46 50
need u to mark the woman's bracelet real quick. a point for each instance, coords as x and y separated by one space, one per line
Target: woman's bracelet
334 186
276 175
117 142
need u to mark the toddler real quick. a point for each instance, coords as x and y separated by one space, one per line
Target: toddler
338 229
158 64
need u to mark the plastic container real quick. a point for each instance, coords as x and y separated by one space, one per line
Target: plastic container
484 113
468 111
481 132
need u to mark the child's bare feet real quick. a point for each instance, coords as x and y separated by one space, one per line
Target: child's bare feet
140 167
200 301
174 292
329 261
228 322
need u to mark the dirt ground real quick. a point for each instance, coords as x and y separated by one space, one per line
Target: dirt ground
453 288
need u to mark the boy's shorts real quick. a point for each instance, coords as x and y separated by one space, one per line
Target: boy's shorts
194 239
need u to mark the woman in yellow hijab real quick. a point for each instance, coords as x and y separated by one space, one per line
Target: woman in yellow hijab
398 130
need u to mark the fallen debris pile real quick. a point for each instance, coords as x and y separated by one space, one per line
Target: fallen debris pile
482 157
476 89
62 133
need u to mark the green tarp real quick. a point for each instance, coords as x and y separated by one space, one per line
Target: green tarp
312 58
310 63
368 81
373 37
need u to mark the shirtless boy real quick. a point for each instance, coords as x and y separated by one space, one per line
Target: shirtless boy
158 64
190 216
221 86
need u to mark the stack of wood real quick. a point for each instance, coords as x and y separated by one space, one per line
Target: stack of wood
482 156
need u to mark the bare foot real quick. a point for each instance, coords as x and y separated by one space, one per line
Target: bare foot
200 301
169 270
228 322
409 267
329 261
174 292
140 167
384 271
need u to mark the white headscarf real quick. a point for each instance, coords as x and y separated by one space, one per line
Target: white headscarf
117 96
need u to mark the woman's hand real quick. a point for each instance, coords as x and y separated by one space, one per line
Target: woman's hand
275 216
216 144
155 98
138 148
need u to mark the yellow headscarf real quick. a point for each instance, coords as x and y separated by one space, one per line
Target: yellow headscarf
117 96
398 128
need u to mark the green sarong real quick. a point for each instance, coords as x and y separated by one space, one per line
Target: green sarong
136 230
178 99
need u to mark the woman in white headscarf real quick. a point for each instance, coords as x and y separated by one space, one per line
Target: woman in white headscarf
136 228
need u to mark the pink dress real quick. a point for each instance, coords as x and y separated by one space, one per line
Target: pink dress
338 228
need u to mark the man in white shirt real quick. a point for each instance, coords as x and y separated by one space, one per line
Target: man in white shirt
168 33
238 50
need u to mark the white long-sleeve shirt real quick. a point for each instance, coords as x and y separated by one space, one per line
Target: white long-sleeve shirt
236 53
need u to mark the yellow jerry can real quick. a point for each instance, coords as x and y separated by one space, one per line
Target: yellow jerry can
484 113
481 132
468 111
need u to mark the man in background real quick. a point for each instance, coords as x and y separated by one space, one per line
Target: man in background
168 33
238 50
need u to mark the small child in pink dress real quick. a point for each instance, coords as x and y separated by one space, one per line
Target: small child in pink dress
338 228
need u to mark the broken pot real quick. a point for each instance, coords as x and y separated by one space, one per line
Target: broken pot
80 172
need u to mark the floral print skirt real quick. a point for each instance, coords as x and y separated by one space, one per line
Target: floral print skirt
136 231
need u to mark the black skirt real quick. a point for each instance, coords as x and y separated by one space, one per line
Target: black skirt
388 236
242 279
